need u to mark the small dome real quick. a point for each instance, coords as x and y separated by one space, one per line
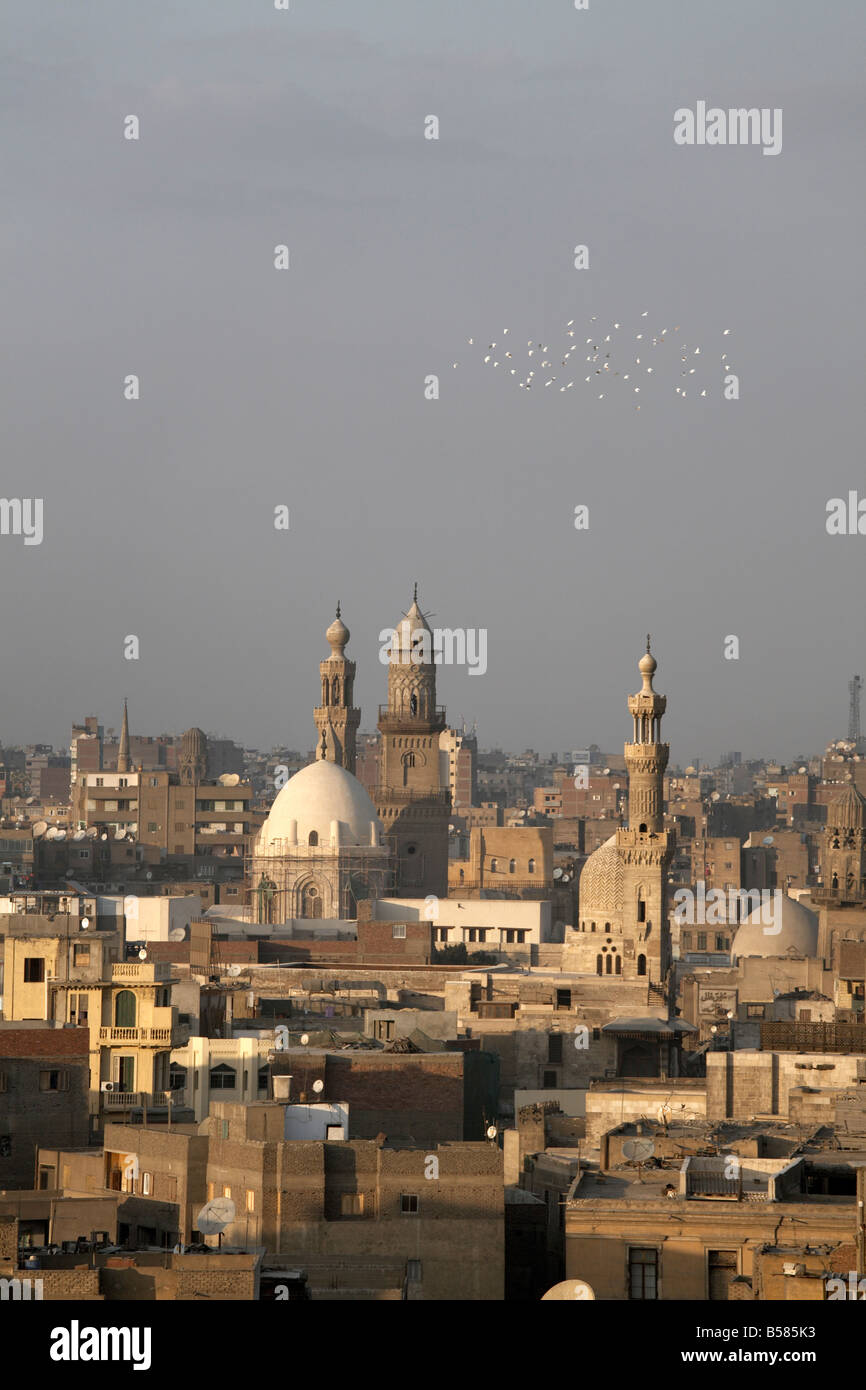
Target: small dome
194 742
321 793
846 811
647 664
783 927
410 640
337 635
601 893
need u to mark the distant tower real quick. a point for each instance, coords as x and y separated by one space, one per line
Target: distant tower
646 848
193 757
123 747
336 718
855 685
411 800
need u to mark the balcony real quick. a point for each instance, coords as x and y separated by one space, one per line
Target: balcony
142 972
158 1037
391 721
140 1100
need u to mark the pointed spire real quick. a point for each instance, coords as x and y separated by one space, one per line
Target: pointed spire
123 747
415 593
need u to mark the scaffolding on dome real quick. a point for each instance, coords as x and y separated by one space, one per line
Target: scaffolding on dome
286 881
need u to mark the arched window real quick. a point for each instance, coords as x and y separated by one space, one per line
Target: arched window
124 1009
607 926
311 901
531 866
618 965
413 704
325 690
335 694
592 926
599 965
313 837
512 865
462 876
642 828
608 965
493 865
641 965
641 910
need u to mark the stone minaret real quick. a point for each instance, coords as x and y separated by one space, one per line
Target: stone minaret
412 801
336 718
646 848
123 746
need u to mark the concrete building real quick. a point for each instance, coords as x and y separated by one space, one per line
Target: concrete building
44 1089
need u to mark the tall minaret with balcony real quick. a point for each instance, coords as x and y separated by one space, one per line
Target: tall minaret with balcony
336 718
645 847
412 802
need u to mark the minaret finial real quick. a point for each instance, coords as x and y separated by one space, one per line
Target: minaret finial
338 608
415 594
647 641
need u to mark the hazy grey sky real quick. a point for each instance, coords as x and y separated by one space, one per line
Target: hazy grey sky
306 388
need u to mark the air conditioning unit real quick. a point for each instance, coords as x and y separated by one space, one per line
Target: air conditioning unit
107 1086
789 1268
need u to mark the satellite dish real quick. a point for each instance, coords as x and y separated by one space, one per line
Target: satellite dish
30 800
229 779
91 832
51 832
566 878
318 1086
215 1215
61 834
638 1150
177 934
148 874
142 955
40 827
557 873
234 970
492 1132
103 836
80 835
305 1038
569 1290
767 840
84 923
606 772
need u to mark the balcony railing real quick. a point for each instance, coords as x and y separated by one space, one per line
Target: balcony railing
135 1035
139 1100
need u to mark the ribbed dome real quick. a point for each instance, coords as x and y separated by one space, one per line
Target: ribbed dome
847 810
784 927
601 894
312 800
194 743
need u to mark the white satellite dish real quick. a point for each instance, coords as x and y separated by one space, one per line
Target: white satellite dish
492 1132
606 772
229 779
80 835
91 832
767 840
177 934
104 835
566 878
318 1086
638 1150
142 955
30 800
61 834
84 923
215 1215
234 971
51 832
557 873
305 1038
40 827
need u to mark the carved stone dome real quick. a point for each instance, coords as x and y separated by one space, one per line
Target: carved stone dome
601 892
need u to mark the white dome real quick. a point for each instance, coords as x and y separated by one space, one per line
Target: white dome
318 798
783 927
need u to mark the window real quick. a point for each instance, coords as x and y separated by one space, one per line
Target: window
563 998
720 942
643 1267
599 965
250 1200
34 970
531 866
263 1078
176 1077
413 1271
146 1184
227 1192
313 837
54 1081
81 954
493 865
352 1204
398 931
554 1047
550 1081
702 941
179 827
641 965
512 865
754 1011
641 910
409 1203
152 827
124 1009
223 1078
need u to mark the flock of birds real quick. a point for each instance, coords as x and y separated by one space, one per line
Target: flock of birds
609 353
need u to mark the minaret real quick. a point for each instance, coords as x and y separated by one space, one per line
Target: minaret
412 801
645 847
123 746
336 718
